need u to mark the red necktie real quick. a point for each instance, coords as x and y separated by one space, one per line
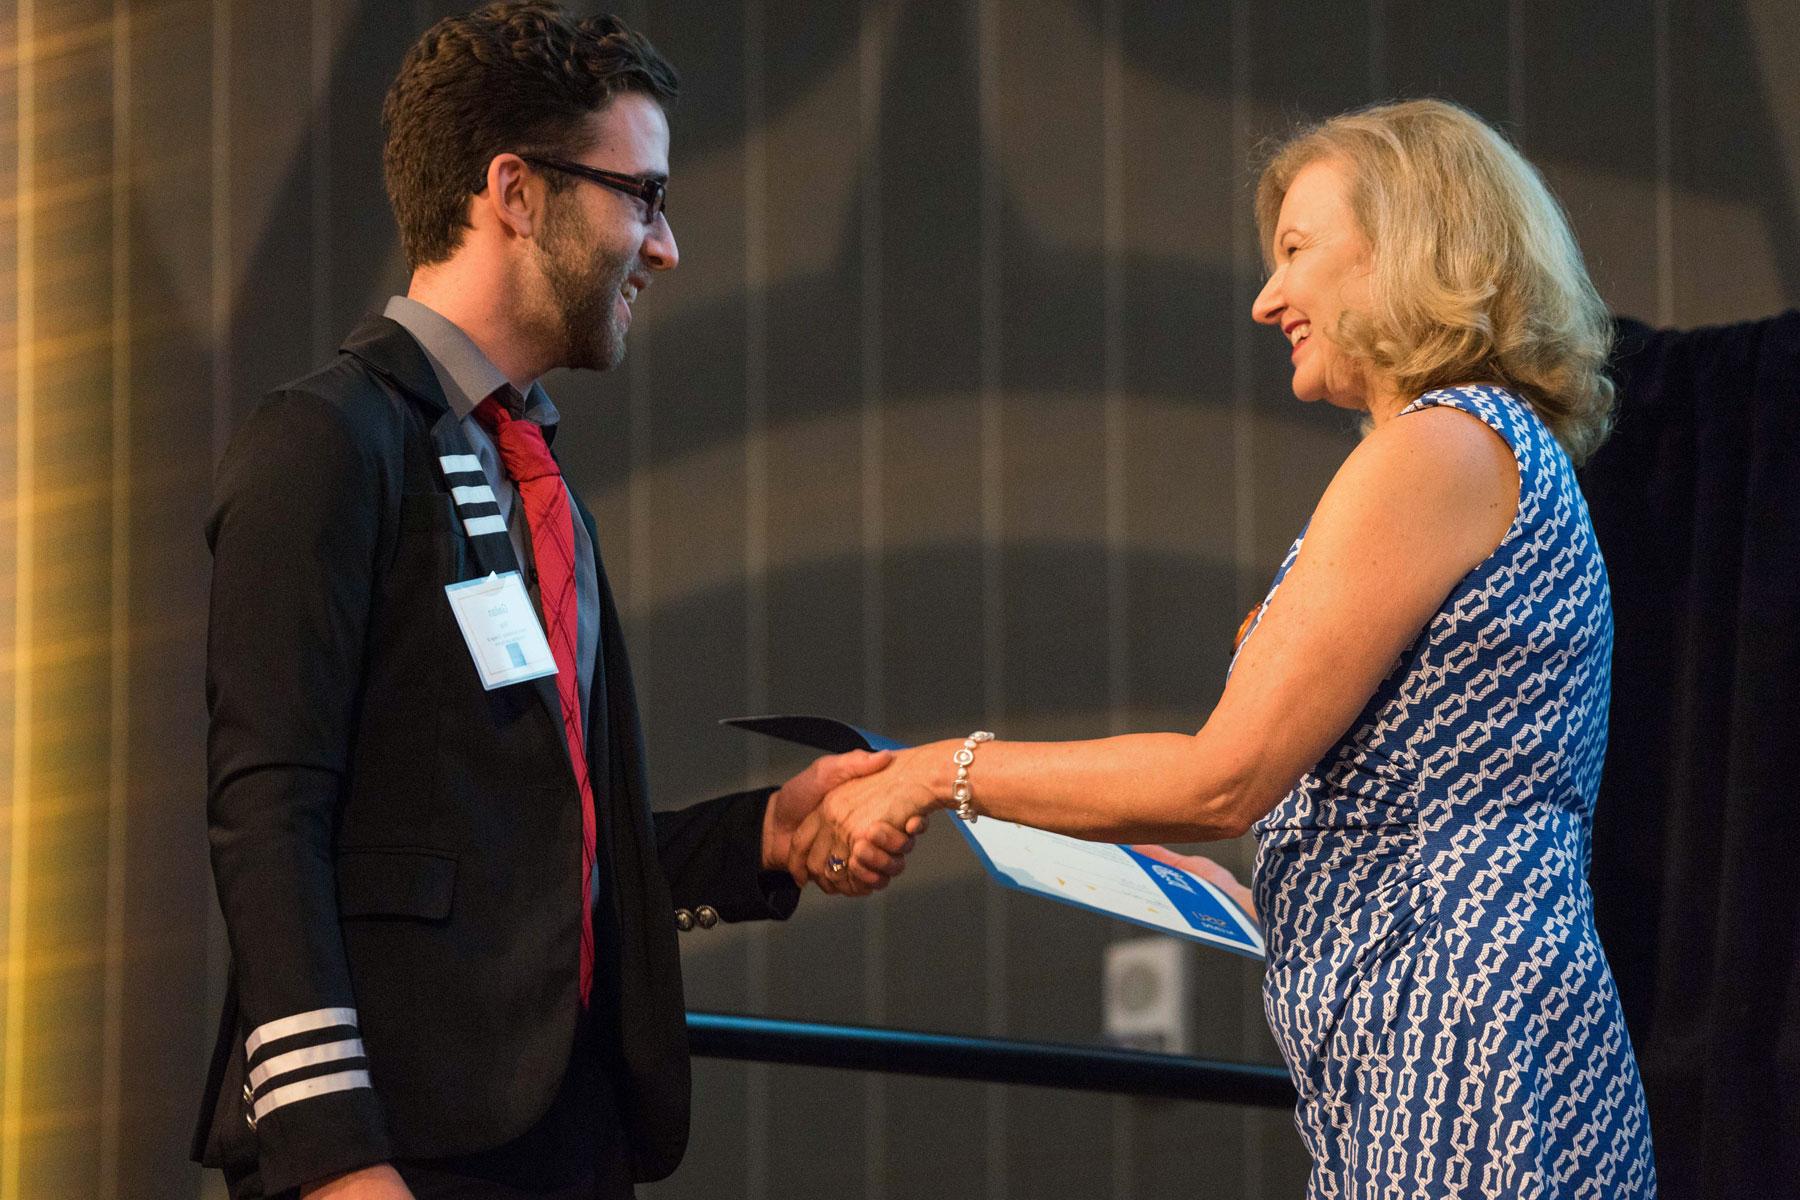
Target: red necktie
528 462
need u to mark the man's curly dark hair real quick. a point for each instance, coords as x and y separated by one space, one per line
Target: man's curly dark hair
520 77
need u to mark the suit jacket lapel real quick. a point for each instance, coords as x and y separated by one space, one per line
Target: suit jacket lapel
599 709
393 353
490 547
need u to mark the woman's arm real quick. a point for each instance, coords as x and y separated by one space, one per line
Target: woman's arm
1421 501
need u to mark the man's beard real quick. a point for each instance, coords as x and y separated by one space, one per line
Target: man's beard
584 285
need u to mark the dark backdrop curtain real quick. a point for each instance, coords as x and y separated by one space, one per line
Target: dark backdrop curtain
1696 872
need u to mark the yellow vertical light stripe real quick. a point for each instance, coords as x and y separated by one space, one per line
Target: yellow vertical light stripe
12 1099
112 1039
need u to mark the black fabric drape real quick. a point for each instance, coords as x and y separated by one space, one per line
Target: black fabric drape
1696 500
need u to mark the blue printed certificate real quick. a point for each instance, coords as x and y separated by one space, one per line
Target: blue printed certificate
1104 877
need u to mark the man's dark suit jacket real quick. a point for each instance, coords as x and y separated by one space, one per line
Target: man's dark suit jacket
397 851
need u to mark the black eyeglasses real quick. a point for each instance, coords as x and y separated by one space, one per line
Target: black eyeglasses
654 193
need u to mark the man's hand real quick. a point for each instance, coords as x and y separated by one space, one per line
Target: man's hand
795 800
380 1182
866 865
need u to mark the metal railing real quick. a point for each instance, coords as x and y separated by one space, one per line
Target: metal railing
987 1060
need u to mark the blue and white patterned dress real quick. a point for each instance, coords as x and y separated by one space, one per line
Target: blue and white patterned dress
1434 978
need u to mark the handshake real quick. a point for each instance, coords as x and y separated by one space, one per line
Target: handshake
847 822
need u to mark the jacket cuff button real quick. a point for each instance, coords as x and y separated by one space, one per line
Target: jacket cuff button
684 920
707 915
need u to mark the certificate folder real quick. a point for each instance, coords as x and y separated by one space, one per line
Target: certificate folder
1102 877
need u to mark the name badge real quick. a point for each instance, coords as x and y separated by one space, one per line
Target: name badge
502 630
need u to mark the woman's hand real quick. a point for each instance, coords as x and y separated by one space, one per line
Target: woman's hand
867 826
795 800
1207 869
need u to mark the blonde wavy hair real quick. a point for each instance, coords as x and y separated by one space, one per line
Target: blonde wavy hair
1474 273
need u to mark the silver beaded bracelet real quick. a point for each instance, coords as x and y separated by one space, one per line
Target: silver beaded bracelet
960 791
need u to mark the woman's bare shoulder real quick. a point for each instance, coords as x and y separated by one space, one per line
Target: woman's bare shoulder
1438 481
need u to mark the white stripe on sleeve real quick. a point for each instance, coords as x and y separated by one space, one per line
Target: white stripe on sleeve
293 1060
456 463
480 525
306 1022
479 494
306 1089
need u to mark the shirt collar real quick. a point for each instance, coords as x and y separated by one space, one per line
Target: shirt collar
466 374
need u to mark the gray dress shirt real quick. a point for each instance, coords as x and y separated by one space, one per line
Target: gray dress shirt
468 377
